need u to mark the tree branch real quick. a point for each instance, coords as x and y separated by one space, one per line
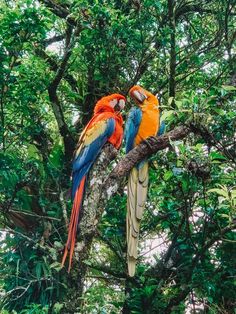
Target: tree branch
211 141
146 149
61 69
193 8
109 271
54 39
54 67
28 239
52 91
59 11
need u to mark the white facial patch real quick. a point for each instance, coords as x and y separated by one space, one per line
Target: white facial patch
140 97
113 102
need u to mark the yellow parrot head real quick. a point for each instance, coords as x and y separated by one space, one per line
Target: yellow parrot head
142 97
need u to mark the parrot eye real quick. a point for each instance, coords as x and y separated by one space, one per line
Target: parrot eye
113 103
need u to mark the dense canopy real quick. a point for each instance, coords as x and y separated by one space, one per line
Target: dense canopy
57 59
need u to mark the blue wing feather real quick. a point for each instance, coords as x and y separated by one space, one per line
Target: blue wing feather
131 127
83 162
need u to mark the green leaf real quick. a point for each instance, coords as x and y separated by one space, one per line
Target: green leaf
56 265
38 270
167 114
170 100
168 174
229 87
221 192
216 155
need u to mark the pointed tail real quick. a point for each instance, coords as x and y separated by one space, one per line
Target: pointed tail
70 244
137 194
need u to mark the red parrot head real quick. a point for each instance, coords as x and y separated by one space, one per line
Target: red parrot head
140 95
115 102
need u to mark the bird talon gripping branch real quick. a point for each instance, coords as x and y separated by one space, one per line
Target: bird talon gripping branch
147 143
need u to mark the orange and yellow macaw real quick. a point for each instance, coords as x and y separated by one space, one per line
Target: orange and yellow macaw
105 126
143 122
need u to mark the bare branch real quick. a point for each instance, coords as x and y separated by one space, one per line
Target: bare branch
28 239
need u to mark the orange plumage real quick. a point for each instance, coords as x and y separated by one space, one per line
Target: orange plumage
150 122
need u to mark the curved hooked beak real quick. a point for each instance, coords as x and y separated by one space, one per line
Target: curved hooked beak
138 96
121 104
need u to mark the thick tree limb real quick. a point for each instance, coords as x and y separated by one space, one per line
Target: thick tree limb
146 149
59 11
91 214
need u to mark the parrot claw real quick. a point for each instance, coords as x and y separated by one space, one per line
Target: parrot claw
147 141
152 137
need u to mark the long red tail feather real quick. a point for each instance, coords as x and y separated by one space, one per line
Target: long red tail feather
70 244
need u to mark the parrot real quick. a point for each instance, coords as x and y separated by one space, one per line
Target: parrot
106 125
143 121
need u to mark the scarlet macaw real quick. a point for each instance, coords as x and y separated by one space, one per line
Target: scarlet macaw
143 121
105 126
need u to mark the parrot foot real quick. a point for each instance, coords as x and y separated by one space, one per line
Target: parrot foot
147 141
152 138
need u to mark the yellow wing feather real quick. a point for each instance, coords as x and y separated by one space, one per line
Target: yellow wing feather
90 135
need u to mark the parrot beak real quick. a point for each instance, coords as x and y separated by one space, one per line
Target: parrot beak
118 105
138 96
121 104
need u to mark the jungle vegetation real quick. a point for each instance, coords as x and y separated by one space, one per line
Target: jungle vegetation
57 58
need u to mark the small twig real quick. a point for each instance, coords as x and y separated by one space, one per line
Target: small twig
30 240
34 215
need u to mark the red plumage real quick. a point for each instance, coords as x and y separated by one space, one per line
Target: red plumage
104 111
107 108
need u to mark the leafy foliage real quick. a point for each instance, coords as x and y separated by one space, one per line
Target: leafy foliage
57 58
